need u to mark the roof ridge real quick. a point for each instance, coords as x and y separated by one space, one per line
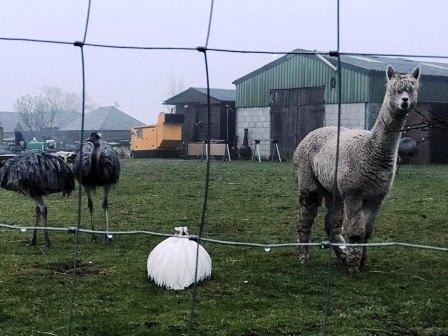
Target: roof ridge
205 88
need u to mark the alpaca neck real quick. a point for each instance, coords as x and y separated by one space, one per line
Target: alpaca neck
386 132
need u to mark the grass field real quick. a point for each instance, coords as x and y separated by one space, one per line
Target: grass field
252 292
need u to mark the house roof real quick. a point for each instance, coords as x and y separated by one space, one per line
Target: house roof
11 121
199 95
362 63
66 117
104 118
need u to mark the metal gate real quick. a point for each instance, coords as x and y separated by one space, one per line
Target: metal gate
295 113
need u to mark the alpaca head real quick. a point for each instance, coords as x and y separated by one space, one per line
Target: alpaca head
402 91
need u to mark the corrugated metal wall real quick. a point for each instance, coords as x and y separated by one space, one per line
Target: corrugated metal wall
432 89
297 72
303 71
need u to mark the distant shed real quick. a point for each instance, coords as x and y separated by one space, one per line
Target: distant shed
11 122
289 97
193 104
113 124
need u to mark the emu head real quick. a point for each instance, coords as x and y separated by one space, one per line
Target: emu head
95 138
402 91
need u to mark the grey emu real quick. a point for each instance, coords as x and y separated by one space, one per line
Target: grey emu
407 148
366 172
97 166
37 174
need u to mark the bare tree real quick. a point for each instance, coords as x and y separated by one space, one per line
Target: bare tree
175 85
49 109
53 106
26 106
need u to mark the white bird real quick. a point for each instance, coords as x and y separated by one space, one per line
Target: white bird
172 262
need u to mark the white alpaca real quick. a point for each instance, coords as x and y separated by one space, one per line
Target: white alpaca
172 263
365 175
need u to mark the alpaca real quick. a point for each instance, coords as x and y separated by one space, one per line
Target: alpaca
367 161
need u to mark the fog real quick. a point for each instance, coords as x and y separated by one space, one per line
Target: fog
137 80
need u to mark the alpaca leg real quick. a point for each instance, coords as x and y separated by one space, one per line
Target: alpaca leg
355 228
90 205
333 224
107 189
38 214
370 211
308 206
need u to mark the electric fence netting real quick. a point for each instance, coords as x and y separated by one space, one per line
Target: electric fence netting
429 119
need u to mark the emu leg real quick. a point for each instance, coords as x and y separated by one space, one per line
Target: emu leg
107 189
398 164
308 206
90 205
44 215
38 214
355 228
333 224
43 212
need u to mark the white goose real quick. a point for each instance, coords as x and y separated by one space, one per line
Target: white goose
171 264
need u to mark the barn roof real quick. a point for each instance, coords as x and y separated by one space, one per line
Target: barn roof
402 65
11 121
104 118
362 63
199 95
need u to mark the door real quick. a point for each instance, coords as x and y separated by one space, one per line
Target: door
295 113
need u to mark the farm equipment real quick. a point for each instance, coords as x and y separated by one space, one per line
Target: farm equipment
48 145
159 140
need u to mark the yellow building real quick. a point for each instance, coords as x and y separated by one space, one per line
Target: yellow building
159 140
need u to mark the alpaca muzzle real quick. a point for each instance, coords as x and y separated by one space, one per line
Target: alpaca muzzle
404 104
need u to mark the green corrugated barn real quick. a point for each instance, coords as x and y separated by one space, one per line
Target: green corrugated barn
287 98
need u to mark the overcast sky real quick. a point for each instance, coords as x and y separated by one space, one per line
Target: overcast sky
138 79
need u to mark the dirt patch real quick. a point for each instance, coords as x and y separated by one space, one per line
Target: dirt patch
151 324
82 268
4 317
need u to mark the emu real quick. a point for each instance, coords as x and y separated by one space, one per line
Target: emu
407 148
37 174
365 175
97 166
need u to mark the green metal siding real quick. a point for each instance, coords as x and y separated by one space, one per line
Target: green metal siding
432 89
301 71
304 71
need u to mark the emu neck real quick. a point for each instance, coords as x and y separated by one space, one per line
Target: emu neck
95 157
386 132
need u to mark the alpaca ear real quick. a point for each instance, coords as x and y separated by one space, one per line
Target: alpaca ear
390 72
416 72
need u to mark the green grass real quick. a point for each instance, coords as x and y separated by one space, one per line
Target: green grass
252 292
